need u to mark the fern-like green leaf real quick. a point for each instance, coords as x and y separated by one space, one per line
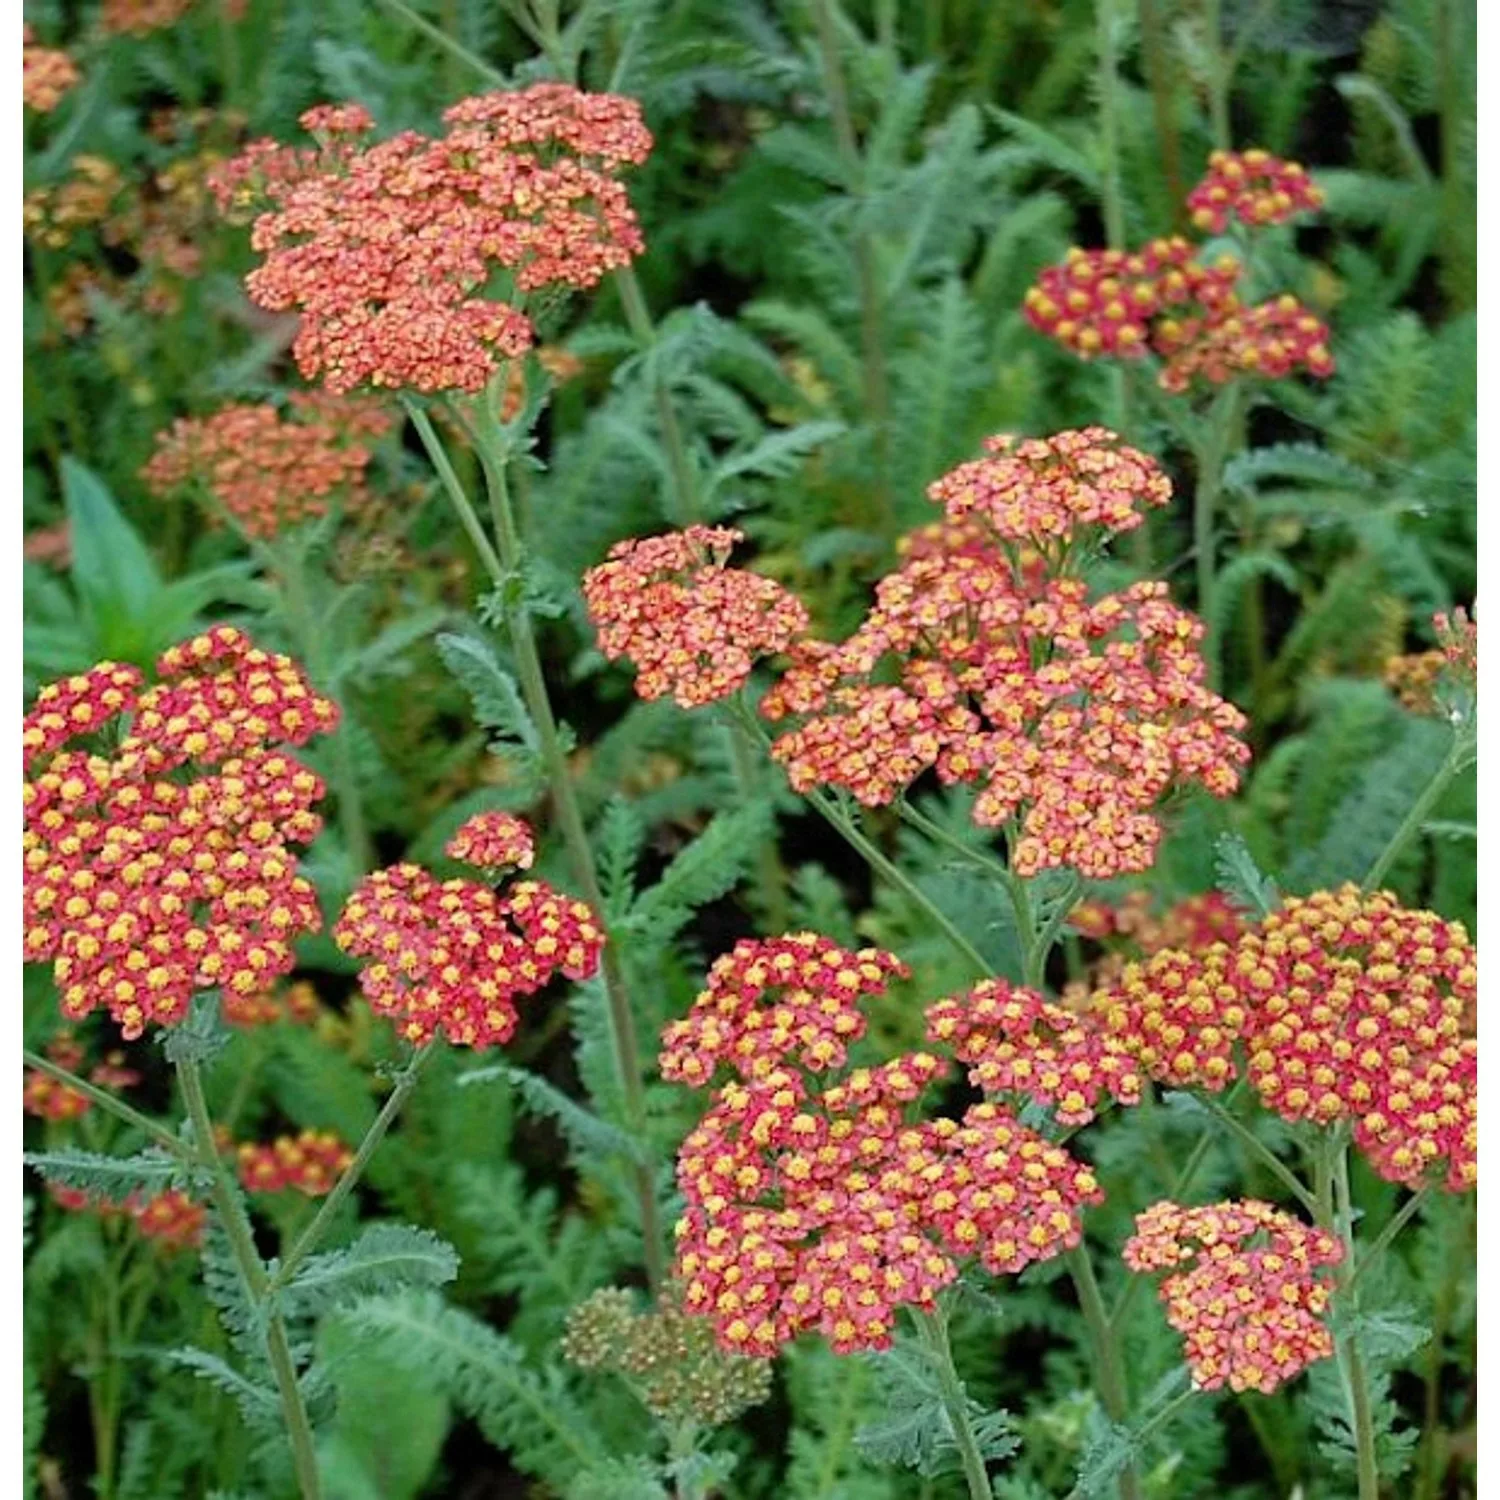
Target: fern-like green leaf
385 1257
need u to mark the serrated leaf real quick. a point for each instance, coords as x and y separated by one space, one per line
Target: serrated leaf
385 1258
1240 879
493 691
114 1178
585 1132
258 1404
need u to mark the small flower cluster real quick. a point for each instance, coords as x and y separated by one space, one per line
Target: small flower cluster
822 1208
163 865
46 74
268 471
670 1358
309 1163
1426 683
1077 717
768 999
1016 1042
389 250
297 1003
1248 1289
691 626
1133 929
140 18
89 196
170 1218
1347 1007
454 956
51 1099
492 841
1035 490
1163 299
1254 187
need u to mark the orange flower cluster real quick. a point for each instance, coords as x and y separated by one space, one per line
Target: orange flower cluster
91 193
51 1099
1016 1042
1076 717
769 1000
1431 681
1163 299
492 841
267 471
1347 1007
826 1212
140 18
163 865
298 1003
691 626
1250 1297
454 956
1040 490
170 1218
309 1163
1254 187
46 74
389 251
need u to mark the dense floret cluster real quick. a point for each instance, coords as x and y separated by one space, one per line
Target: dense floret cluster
1254 187
46 74
492 841
308 1163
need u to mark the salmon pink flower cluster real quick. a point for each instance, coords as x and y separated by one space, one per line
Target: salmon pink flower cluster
267 470
170 1218
1016 1042
1075 716
409 259
1248 1289
1346 1005
158 859
1041 490
813 1202
308 1163
454 956
1254 187
492 841
691 626
1164 300
140 18
46 74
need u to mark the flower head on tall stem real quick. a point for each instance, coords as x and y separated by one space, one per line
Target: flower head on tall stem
409 259
158 856
308 1163
691 626
1247 1290
1254 187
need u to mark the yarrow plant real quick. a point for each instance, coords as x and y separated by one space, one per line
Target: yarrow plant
308 1163
411 261
159 827
47 73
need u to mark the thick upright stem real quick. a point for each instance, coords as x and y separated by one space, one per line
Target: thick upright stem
877 395
312 1236
1218 89
1224 422
560 781
685 507
1106 1352
1460 752
1158 74
253 1275
1336 1213
159 1134
933 1329
1109 124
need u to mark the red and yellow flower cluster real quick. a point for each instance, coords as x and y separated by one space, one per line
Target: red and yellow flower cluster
826 1208
51 1099
297 1003
391 251
170 1218
1425 682
309 1163
1163 299
492 841
691 626
1247 1291
454 956
267 471
159 862
1075 716
1346 1006
46 74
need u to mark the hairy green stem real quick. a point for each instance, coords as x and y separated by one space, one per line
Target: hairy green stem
877 396
1224 421
1107 1369
1394 1225
1336 1214
685 508
311 1237
501 565
1218 87
159 1134
770 872
1261 1152
1154 53
253 1275
932 1328
1109 124
1460 753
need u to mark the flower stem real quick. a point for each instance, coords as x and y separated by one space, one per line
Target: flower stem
770 872
253 1275
1224 423
309 1239
1158 74
1394 1225
1459 755
159 1134
1336 1214
501 565
932 1327
1107 1368
1257 1148
685 508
